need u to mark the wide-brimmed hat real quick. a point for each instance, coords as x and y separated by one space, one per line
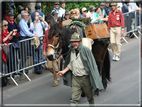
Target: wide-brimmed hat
10 13
102 4
56 3
113 4
75 37
8 7
67 12
91 8
20 7
84 9
54 12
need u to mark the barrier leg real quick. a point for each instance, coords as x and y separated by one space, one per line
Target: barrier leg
124 39
13 80
135 35
26 75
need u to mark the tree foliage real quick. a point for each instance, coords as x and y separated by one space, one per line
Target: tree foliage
48 6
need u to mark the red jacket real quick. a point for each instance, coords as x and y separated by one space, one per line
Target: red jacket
45 41
4 35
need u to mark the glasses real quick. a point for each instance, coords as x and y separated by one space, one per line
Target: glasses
26 15
73 13
85 11
5 25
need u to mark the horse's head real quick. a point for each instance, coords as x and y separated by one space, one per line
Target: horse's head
55 40
50 20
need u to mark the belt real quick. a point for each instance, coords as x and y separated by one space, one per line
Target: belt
116 26
82 76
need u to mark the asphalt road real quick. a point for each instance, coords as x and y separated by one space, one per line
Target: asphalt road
123 90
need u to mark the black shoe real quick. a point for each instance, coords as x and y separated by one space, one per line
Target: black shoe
39 72
26 71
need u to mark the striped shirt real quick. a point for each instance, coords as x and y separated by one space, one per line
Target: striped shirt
116 19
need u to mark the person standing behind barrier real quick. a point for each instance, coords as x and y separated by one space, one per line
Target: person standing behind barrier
116 30
107 8
56 7
84 12
77 12
8 8
91 13
6 36
37 28
62 9
12 26
24 34
98 18
51 65
67 15
81 71
54 14
38 9
102 10
18 18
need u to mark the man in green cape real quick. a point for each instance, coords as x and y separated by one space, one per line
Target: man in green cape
81 71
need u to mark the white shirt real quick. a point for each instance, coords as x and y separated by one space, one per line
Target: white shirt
38 29
76 65
92 16
61 12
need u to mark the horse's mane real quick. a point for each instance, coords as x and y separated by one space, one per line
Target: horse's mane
55 29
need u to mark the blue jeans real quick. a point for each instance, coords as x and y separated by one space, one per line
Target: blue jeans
37 57
3 68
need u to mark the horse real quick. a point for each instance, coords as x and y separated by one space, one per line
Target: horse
59 39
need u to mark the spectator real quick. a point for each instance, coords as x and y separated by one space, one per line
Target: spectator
84 12
107 8
97 16
27 8
6 37
12 5
56 7
54 14
116 29
62 9
81 71
8 9
24 34
102 10
51 65
38 9
119 5
73 13
67 15
18 18
77 13
37 28
12 26
91 13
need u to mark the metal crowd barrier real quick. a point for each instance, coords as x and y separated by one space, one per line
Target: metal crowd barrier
130 17
14 60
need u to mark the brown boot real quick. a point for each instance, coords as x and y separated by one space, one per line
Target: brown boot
55 84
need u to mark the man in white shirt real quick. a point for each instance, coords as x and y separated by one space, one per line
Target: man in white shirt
61 9
37 28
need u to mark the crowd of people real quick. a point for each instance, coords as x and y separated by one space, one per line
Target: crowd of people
27 25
